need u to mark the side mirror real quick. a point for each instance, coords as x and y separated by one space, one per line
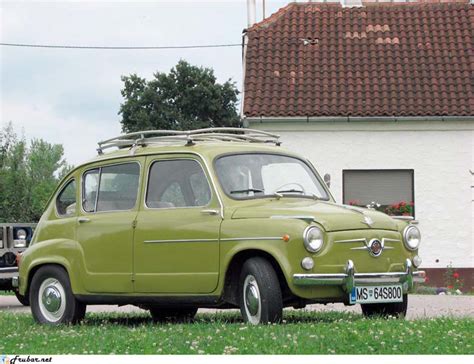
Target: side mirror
327 180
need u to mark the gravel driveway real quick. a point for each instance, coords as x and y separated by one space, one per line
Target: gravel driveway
419 306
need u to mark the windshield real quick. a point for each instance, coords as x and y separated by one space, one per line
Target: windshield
255 175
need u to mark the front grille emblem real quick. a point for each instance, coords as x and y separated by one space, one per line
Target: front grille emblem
375 247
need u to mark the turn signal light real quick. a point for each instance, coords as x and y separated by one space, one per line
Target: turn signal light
18 259
286 238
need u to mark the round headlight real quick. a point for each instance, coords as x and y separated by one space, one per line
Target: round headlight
313 238
21 234
411 237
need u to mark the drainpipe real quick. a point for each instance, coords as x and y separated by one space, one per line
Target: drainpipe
251 20
251 12
244 61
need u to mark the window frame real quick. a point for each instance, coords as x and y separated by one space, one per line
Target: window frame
145 191
411 170
63 187
99 167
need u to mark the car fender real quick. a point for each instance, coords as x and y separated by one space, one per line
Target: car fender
64 252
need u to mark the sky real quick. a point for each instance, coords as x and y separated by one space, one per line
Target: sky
72 97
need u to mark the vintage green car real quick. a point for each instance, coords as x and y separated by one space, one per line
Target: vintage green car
222 217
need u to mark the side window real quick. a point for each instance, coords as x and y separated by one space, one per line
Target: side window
200 187
91 185
177 183
173 196
118 187
111 188
66 200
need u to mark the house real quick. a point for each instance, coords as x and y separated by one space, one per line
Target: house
380 97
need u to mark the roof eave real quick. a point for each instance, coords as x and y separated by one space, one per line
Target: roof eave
277 119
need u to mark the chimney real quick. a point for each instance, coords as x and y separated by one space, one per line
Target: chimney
251 12
351 3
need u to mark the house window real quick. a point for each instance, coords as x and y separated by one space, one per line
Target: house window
389 191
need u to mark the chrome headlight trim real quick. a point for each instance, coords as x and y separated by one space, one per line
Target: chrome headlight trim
411 243
311 235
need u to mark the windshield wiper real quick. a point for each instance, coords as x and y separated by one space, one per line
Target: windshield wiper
291 191
312 195
247 190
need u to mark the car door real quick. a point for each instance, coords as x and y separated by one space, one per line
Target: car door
105 224
176 248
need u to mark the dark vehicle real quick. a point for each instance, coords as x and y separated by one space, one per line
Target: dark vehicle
14 239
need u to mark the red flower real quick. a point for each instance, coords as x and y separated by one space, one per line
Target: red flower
455 275
406 214
412 204
450 287
402 203
427 279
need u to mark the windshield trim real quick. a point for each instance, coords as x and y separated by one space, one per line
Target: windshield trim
286 195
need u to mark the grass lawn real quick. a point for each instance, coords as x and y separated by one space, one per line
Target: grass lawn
301 333
7 293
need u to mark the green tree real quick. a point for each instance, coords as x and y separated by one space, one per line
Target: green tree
13 177
188 97
44 165
28 175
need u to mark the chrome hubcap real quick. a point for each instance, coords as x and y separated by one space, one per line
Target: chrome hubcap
51 299
252 299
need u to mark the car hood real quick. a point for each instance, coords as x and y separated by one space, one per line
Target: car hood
331 216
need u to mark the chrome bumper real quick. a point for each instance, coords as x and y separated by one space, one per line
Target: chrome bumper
349 279
8 278
8 272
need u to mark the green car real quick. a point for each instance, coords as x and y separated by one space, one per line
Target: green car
172 221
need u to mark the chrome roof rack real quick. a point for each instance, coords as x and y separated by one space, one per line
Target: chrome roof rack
190 137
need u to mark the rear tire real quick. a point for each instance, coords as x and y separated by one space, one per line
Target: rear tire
51 298
395 309
260 297
165 314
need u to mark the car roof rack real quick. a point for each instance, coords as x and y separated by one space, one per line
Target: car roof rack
190 137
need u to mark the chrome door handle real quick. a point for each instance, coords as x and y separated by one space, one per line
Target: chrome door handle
210 212
82 220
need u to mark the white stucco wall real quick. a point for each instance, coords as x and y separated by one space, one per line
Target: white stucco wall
440 153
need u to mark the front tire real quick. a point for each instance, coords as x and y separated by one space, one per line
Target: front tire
260 297
51 298
395 309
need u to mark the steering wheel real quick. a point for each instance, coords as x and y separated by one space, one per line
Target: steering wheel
289 184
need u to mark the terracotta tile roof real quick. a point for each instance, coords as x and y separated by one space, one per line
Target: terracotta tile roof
409 59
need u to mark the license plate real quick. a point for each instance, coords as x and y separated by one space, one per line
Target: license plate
376 294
